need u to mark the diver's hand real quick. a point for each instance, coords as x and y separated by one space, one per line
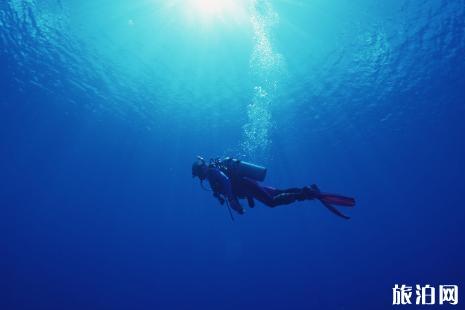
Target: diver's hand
234 204
219 197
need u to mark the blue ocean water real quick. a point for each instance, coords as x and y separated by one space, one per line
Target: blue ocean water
105 104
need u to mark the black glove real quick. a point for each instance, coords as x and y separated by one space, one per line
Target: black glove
250 201
219 197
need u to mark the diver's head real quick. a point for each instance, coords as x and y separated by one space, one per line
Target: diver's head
199 168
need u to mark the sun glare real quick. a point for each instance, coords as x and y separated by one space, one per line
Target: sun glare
207 11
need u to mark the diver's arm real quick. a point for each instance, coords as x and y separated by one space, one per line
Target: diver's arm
225 188
219 182
232 199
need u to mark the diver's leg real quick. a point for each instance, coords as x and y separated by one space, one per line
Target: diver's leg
261 193
295 190
273 197
276 191
288 198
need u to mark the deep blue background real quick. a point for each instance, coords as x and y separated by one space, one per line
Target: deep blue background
98 207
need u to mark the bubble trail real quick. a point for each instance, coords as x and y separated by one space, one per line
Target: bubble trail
266 66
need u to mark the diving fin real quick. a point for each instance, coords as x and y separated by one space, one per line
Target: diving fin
338 200
334 199
334 210
326 199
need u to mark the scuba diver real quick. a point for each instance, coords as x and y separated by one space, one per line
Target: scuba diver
232 179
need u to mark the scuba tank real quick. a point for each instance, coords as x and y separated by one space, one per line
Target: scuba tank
237 168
